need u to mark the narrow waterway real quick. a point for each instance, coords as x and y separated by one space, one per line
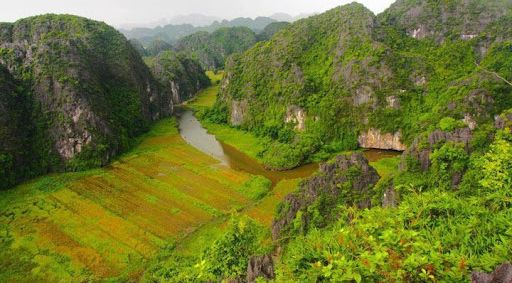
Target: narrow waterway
193 133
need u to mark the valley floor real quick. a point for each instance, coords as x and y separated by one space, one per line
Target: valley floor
109 222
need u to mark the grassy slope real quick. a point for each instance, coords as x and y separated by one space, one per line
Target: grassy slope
386 166
108 222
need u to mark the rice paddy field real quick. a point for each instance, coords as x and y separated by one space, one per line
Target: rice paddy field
110 222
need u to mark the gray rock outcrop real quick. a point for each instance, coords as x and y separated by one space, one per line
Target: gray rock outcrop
348 179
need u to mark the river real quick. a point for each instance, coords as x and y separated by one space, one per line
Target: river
193 133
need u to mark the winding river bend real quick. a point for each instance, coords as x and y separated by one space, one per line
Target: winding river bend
193 133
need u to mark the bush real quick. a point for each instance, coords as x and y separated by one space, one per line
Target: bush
449 124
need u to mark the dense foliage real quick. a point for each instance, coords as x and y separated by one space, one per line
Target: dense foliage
18 156
445 212
350 71
435 234
179 74
227 257
83 91
271 30
212 49
173 33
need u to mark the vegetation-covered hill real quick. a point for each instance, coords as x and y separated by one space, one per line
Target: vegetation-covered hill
172 33
441 20
76 94
17 130
271 30
346 78
212 49
180 75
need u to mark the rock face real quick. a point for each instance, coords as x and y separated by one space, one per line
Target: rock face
238 112
346 180
180 75
88 90
440 20
502 274
296 116
260 266
504 121
390 198
16 131
373 138
422 153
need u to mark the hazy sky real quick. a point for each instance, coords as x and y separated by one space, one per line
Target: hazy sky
120 12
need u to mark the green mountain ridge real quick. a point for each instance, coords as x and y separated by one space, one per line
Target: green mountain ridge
351 74
212 49
347 79
86 92
429 78
172 33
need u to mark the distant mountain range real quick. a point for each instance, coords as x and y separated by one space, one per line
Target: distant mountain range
184 25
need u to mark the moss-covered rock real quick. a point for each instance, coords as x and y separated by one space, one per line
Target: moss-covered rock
88 92
180 75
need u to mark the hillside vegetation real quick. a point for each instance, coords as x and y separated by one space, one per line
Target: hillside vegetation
429 80
75 94
212 49
172 33
330 82
334 82
181 76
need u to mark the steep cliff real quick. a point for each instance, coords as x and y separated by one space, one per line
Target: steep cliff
88 91
181 76
18 157
442 20
362 80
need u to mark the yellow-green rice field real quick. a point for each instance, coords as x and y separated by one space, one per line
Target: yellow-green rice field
109 222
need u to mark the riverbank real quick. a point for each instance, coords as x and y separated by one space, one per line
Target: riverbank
248 143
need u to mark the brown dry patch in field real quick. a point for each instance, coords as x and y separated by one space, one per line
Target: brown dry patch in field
52 237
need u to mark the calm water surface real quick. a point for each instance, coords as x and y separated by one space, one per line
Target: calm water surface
193 133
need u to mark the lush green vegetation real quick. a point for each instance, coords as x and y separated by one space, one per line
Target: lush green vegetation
384 79
212 49
271 30
173 33
110 222
435 234
83 94
452 211
181 76
439 212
